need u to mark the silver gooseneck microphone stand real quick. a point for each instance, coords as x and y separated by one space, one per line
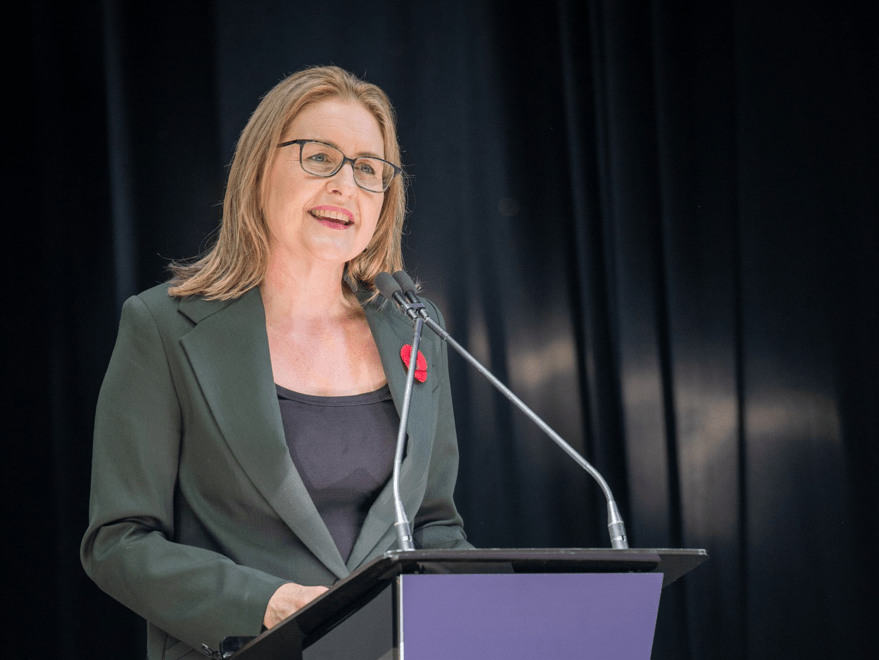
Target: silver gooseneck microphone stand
404 530
615 525
391 290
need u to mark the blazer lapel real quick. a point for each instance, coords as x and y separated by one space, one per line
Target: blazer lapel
391 332
229 353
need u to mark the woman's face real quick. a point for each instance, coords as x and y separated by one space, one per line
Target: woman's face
329 220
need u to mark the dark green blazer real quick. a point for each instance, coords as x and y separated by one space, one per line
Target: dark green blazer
197 512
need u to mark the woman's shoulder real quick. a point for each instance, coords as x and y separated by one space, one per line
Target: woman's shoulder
169 315
148 310
157 297
160 302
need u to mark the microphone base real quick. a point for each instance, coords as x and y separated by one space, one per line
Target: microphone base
404 536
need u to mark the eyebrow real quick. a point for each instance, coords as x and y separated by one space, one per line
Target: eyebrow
362 154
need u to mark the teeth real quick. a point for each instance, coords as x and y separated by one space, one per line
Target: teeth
331 215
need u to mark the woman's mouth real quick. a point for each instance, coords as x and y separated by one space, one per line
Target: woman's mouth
332 216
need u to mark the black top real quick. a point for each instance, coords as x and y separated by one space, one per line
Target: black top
343 448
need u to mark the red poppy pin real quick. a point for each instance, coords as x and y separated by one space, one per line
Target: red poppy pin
420 362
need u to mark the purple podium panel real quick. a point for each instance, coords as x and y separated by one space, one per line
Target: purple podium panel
556 616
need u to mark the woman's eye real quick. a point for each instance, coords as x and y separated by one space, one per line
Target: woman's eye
366 168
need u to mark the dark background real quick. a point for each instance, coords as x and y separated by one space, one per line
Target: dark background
656 220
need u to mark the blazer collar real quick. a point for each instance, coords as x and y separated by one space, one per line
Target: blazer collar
229 353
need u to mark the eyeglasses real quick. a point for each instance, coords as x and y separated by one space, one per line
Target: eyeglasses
321 159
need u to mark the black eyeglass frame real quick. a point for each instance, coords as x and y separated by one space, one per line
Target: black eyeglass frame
397 169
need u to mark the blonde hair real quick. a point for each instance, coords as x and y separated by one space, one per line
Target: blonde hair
238 260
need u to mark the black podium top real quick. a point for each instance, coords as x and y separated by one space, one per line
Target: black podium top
362 584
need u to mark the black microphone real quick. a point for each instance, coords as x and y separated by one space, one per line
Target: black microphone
409 289
615 525
390 289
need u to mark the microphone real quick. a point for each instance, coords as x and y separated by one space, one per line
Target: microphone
389 288
409 290
615 525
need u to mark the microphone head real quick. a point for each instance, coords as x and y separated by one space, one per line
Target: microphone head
405 281
386 285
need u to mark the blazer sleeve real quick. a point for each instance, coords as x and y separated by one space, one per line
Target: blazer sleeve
194 594
438 524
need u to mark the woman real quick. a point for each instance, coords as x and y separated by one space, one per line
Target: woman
245 429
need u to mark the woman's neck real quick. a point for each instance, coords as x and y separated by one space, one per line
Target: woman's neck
305 293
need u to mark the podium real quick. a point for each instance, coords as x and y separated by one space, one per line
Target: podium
482 605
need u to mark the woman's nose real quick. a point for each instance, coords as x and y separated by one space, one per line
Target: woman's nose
343 181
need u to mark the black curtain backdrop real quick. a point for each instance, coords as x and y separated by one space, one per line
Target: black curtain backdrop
657 221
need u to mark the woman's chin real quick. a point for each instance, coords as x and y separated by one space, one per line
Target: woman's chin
325 252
